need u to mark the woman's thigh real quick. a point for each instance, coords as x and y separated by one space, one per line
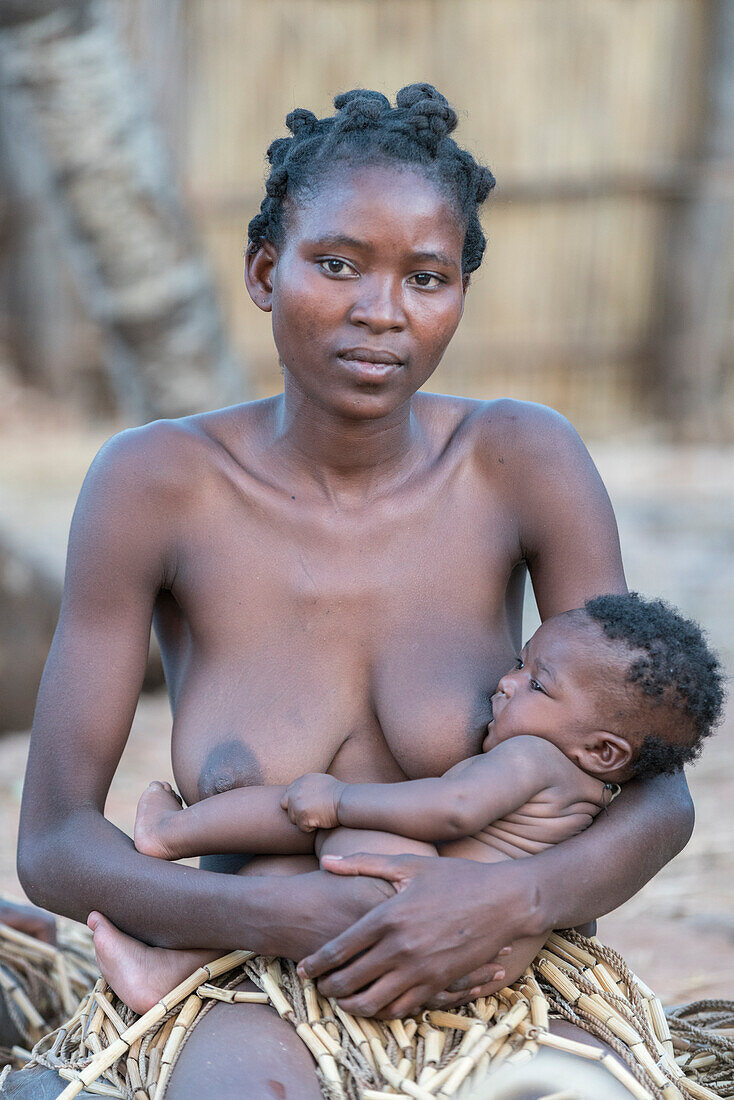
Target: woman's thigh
244 1052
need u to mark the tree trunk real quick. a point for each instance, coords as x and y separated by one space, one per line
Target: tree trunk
140 271
698 278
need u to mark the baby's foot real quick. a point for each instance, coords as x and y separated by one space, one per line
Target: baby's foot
140 975
157 808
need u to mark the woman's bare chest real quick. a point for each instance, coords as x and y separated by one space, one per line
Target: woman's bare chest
370 649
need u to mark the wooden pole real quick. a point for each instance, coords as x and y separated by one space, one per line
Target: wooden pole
697 281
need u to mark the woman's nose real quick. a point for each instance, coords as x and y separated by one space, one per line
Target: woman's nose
380 305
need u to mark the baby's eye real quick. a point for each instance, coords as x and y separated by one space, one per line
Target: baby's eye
332 266
423 279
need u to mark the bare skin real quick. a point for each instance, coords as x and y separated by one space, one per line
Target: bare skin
335 577
524 793
565 746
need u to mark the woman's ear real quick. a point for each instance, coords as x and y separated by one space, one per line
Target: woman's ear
259 264
604 753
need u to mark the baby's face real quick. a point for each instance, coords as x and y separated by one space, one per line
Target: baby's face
552 690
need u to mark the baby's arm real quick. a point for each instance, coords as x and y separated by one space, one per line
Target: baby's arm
461 802
246 819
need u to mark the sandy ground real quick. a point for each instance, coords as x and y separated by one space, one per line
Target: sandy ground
676 517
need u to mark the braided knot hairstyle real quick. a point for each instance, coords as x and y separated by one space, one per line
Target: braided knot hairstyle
367 129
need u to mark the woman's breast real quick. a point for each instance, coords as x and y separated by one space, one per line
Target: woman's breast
278 712
372 657
259 718
432 690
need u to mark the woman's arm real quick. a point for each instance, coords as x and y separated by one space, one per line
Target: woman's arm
71 859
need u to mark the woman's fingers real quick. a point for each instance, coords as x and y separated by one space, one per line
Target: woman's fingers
395 869
358 974
409 1003
337 952
385 998
492 972
398 870
453 1000
398 942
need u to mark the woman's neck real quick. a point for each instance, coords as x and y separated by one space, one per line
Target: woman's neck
347 457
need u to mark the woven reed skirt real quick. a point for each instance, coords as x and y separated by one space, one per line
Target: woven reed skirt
103 1048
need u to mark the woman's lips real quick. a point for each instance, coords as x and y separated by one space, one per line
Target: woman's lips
366 366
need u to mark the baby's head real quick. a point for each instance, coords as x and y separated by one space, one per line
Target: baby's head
623 686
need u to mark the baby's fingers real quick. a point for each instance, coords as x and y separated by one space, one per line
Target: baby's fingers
302 819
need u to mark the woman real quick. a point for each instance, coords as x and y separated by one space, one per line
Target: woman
336 578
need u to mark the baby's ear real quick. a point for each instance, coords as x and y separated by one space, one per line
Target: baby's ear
604 752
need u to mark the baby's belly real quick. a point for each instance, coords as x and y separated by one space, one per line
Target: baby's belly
521 833
483 851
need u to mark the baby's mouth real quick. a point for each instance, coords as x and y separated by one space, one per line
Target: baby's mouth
497 704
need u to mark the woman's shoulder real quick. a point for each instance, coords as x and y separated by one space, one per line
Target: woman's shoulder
149 455
505 431
170 450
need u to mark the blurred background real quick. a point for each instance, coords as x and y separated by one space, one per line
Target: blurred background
132 154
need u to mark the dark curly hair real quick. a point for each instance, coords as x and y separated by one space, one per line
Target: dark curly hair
678 684
367 130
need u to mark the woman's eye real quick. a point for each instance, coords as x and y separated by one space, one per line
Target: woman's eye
423 279
536 686
336 267
519 663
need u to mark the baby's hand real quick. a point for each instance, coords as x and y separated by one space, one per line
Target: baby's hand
312 802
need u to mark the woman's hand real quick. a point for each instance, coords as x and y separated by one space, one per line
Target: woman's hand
312 801
438 941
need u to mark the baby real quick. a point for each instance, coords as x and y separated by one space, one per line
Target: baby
621 688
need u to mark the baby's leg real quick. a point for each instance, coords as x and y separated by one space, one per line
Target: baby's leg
244 819
345 842
140 975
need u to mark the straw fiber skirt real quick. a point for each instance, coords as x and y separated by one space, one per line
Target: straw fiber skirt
98 1046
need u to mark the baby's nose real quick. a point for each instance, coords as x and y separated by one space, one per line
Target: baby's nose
506 684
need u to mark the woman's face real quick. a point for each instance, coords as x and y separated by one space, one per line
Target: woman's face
366 290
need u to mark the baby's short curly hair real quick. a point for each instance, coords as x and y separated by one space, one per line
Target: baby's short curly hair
677 680
367 129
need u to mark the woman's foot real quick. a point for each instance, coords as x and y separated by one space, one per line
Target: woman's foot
140 975
157 807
